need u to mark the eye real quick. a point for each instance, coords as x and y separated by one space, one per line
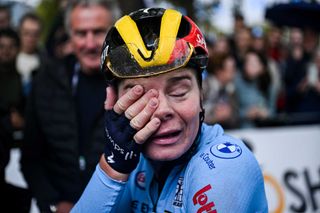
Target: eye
99 32
179 89
180 92
80 33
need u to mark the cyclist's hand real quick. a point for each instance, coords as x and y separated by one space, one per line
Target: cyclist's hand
128 124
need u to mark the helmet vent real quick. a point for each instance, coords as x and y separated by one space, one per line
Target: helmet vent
116 38
150 31
184 28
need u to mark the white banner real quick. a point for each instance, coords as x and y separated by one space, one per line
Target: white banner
290 160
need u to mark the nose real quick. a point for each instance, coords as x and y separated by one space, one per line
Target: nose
164 111
90 40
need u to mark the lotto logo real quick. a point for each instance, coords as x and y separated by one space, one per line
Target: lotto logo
202 199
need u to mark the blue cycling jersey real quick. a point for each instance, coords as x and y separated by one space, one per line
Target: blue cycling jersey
222 176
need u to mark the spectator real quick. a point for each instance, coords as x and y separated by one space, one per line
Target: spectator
275 47
310 42
219 92
57 42
238 21
295 71
259 45
31 56
242 43
254 90
303 90
5 17
258 40
221 46
11 102
13 198
64 134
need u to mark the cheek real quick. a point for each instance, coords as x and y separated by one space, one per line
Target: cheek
99 39
189 113
76 43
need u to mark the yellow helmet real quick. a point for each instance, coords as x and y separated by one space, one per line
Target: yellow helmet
152 41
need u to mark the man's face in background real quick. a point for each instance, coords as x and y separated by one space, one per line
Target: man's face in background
30 32
4 19
88 28
8 50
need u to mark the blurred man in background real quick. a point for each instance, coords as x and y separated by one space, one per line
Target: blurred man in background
31 56
64 133
5 17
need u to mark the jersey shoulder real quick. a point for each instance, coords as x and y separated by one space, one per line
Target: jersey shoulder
221 155
224 167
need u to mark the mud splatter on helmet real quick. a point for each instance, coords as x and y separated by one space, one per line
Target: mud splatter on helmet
152 41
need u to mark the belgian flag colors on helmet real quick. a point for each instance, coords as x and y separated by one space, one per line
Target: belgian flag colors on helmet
152 41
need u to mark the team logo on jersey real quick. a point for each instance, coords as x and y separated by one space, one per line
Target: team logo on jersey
141 180
179 192
200 198
226 150
206 158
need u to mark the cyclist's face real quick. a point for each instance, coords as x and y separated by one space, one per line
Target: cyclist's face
178 111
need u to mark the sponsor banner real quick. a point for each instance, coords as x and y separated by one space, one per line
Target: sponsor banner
290 161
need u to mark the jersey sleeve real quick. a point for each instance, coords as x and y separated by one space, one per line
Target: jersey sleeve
102 194
225 177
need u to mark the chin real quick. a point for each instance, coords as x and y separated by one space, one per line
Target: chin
162 153
90 65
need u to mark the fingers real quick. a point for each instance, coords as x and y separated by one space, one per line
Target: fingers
142 122
141 119
138 106
141 136
111 98
128 99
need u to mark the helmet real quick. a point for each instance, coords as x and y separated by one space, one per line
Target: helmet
152 41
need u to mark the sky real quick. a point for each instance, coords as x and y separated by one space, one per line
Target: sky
253 11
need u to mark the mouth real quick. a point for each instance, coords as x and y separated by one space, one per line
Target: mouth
166 138
91 54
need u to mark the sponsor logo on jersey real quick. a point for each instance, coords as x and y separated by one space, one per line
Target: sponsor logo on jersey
226 150
141 180
200 198
179 193
206 158
138 206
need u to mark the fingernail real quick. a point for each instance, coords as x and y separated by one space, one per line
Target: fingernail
138 89
153 102
157 122
153 92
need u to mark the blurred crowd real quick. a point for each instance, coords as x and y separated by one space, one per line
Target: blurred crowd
51 102
256 77
263 76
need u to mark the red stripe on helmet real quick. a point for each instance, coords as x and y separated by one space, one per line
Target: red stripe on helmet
195 37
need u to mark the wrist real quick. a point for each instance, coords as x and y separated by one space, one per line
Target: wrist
111 172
